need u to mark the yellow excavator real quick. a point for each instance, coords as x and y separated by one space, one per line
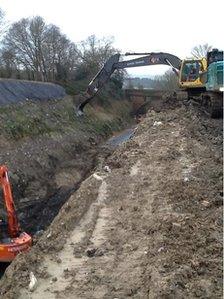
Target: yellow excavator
201 78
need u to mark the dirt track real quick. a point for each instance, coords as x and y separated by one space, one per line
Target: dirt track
150 228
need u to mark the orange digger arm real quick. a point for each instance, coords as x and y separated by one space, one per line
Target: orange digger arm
13 224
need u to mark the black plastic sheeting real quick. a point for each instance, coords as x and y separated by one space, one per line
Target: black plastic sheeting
13 91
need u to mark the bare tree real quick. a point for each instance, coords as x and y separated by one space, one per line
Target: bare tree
24 38
60 54
52 37
168 81
8 64
3 23
40 49
34 50
36 38
200 51
1 17
93 52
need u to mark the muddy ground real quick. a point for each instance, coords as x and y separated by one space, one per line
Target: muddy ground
147 223
48 152
44 173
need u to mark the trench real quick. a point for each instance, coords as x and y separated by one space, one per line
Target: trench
119 138
35 216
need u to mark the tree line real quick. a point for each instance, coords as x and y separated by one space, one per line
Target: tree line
31 49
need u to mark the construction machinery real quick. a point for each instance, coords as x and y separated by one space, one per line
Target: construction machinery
12 239
202 79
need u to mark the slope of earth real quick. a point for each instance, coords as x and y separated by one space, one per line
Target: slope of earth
148 225
49 151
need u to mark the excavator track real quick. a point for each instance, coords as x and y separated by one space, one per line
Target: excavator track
213 103
209 102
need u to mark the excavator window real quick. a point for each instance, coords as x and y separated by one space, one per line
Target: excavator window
191 71
214 56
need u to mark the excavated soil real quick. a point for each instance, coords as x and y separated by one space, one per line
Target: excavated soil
49 152
46 171
146 224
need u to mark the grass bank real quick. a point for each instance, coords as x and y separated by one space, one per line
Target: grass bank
34 118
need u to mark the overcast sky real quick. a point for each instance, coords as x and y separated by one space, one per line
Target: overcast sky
173 26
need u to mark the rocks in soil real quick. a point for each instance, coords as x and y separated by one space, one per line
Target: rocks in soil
93 252
33 282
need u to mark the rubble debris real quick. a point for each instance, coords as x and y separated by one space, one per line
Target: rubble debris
33 282
158 236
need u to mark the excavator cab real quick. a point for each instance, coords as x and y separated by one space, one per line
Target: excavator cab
12 239
193 73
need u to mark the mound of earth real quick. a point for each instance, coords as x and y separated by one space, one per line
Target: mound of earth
146 224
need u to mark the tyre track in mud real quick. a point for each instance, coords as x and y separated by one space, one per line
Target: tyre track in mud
89 232
95 216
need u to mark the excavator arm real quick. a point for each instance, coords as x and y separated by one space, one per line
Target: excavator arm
114 63
12 239
13 225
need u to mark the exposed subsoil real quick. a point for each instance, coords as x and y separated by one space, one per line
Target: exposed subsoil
45 173
147 223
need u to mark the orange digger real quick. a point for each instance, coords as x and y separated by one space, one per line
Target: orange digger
12 239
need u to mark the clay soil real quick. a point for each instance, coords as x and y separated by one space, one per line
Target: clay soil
147 223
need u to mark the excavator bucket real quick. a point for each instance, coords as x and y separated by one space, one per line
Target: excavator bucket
78 111
83 99
10 247
12 239
86 98
98 82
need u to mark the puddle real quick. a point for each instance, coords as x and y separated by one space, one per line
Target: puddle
121 137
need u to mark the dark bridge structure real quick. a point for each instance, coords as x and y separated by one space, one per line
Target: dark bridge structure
144 99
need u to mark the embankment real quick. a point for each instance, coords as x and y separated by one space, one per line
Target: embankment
146 224
49 151
14 91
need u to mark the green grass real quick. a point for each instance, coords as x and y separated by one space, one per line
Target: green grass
31 119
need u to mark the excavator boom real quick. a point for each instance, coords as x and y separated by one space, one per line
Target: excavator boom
150 59
200 78
114 63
